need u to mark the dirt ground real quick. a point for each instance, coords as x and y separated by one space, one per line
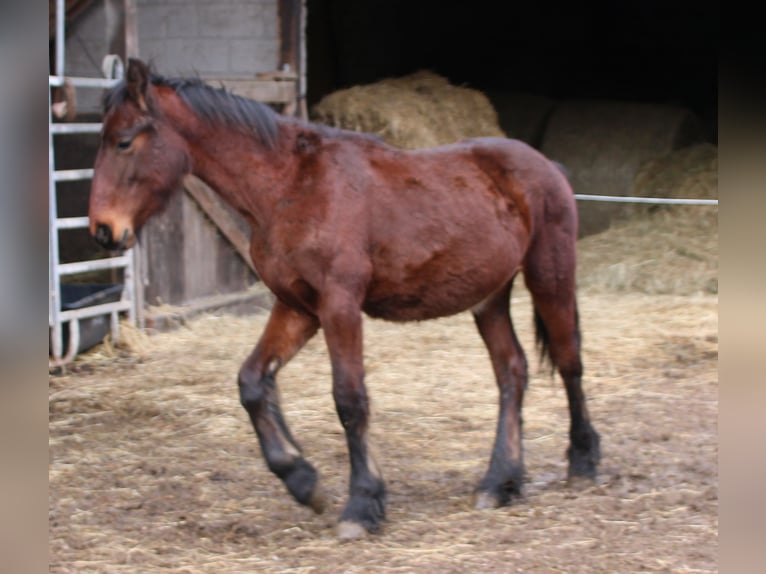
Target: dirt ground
154 465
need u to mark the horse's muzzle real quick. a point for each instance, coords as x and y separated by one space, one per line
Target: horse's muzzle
104 238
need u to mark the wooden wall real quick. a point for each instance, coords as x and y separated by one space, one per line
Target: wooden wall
186 256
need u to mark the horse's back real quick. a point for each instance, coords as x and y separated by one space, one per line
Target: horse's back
450 225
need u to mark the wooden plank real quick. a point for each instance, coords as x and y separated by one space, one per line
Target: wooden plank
199 251
162 273
213 206
269 91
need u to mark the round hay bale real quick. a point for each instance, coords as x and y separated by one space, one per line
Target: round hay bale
603 144
417 111
522 116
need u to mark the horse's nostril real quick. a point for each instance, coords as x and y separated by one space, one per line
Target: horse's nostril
104 234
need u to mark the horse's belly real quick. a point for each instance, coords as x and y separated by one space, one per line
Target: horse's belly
428 296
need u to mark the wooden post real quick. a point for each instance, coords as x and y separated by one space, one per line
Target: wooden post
131 29
289 13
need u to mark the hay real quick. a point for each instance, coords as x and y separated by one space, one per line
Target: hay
661 249
668 252
690 172
420 110
603 145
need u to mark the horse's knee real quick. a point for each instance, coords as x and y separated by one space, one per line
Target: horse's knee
352 406
253 387
256 383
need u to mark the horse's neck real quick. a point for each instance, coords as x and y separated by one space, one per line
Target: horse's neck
241 170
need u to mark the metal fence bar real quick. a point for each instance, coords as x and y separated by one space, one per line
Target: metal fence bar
60 39
72 222
94 265
94 310
54 304
77 82
73 174
75 128
57 317
657 200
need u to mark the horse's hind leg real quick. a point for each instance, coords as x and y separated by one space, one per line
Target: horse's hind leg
558 332
506 468
286 332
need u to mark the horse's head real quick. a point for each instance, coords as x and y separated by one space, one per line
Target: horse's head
140 162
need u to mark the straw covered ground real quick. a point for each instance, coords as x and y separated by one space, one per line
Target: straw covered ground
154 466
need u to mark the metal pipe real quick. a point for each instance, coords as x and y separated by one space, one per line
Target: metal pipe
72 222
83 128
80 82
73 174
657 200
94 265
95 310
53 249
60 39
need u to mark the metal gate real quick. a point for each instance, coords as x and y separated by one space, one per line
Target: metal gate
68 321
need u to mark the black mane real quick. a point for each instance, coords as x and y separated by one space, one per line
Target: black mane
214 105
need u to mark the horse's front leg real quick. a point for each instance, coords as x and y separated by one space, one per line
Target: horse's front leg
287 331
342 325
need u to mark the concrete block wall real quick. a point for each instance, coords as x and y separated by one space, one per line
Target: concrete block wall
209 38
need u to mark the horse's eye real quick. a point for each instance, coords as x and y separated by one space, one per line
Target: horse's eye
124 144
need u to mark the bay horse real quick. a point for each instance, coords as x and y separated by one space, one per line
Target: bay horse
343 224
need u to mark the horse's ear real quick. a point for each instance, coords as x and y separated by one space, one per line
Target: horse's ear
138 83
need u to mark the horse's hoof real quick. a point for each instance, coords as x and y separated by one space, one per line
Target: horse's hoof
318 500
486 500
348 530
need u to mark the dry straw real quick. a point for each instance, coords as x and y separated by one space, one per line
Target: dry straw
661 249
420 110
154 465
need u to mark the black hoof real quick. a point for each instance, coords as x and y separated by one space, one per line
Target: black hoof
584 457
364 511
302 482
500 488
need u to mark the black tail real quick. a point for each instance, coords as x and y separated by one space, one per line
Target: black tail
543 342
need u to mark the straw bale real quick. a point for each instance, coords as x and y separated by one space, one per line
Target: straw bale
603 144
420 110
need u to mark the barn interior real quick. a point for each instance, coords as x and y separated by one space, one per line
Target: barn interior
651 51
